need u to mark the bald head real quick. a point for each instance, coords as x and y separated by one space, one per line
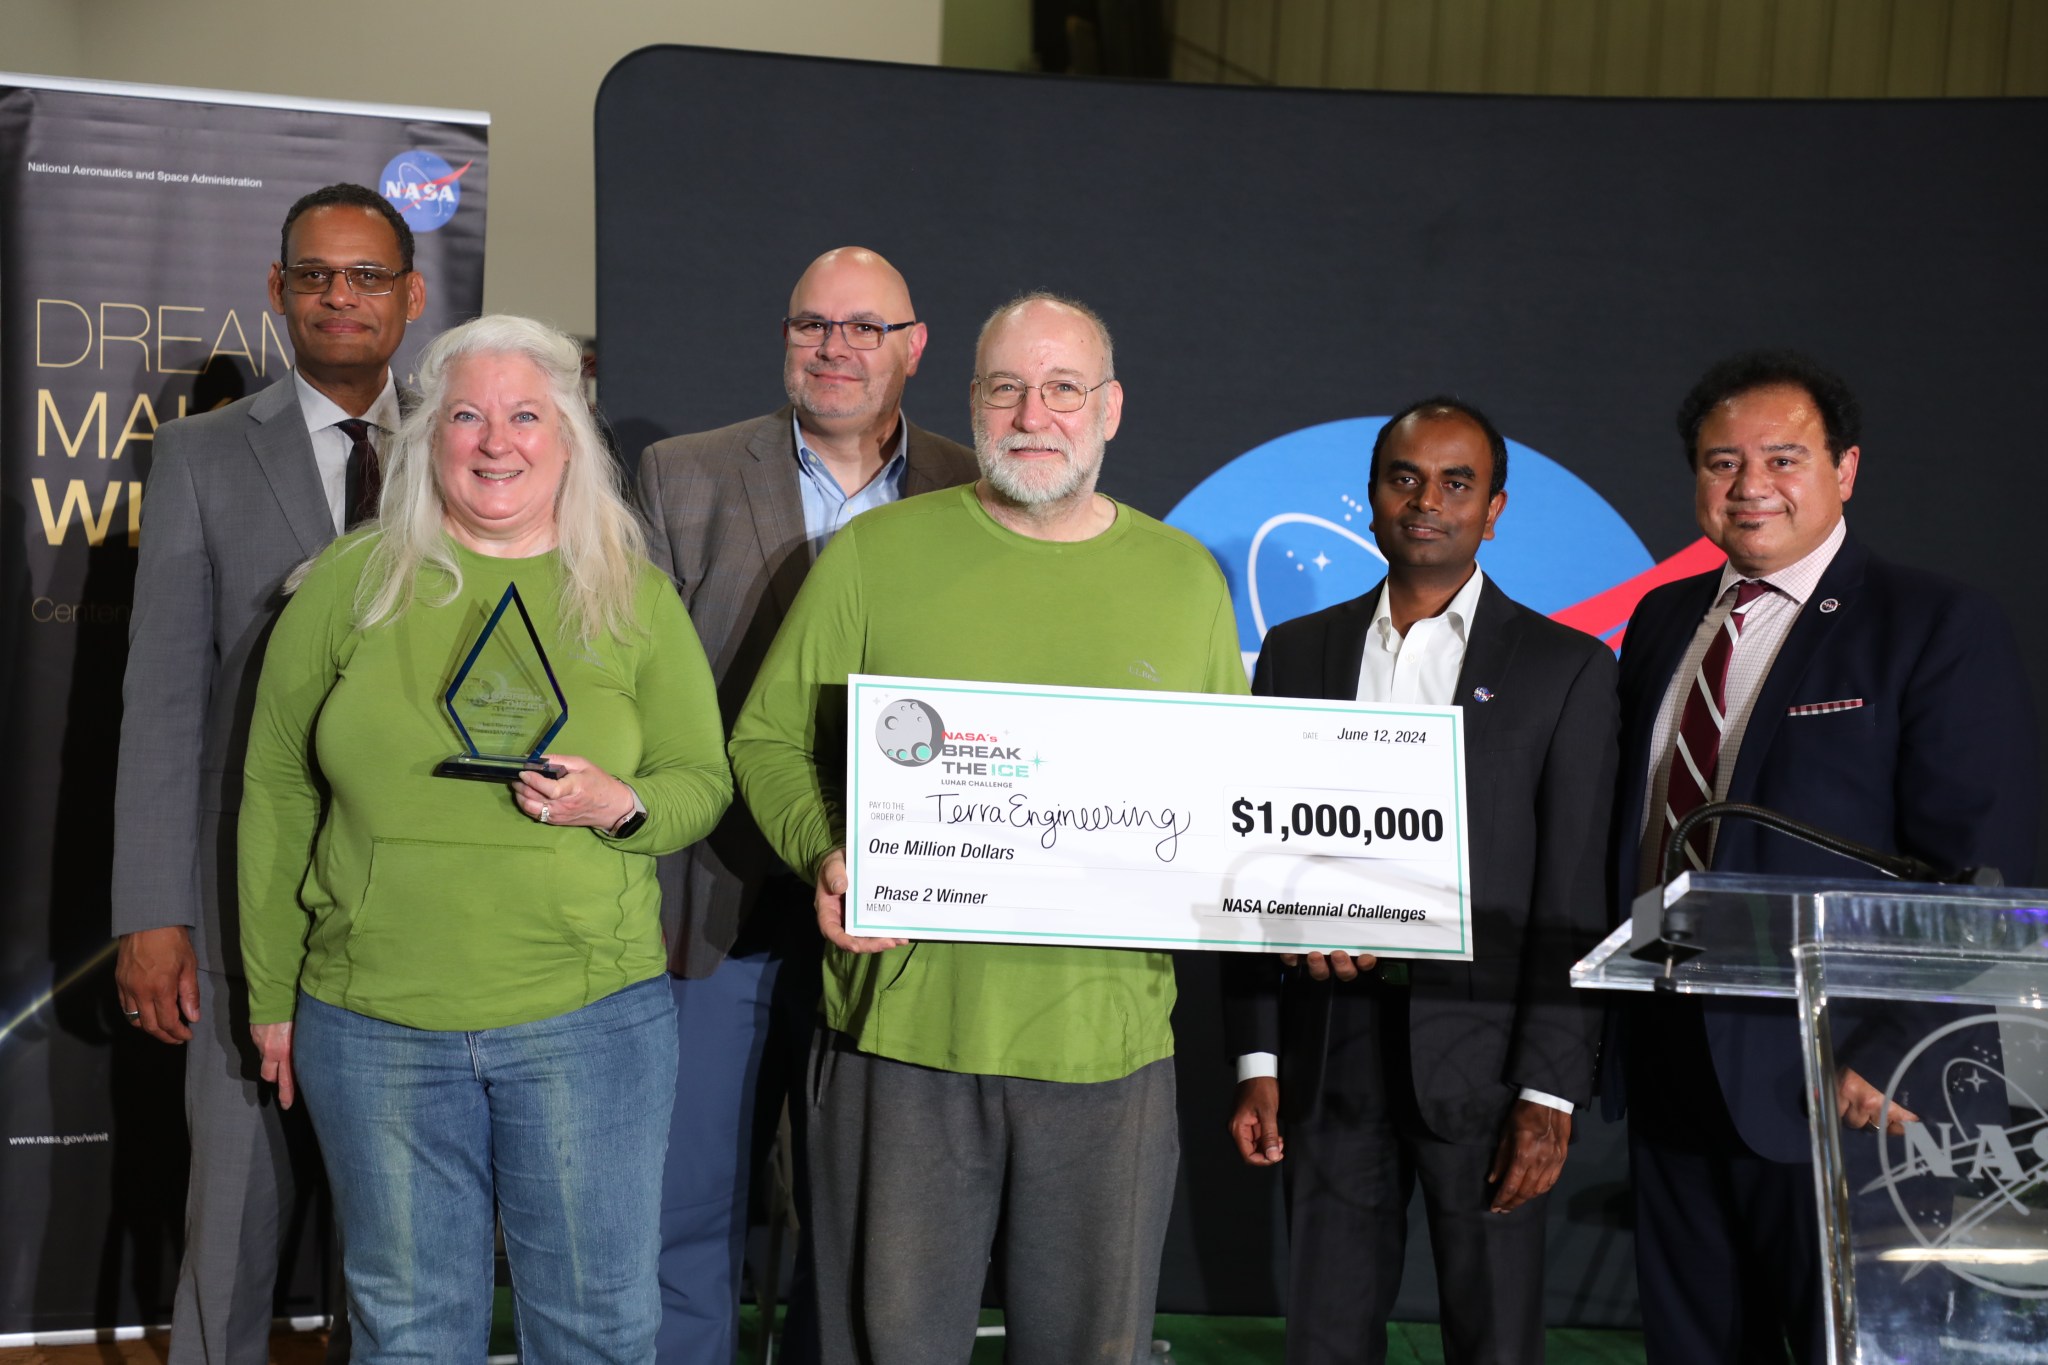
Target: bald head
1039 311
852 269
838 388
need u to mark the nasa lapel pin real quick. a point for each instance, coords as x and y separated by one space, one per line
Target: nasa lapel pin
1829 605
1482 694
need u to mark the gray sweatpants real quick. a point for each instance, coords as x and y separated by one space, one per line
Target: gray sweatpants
916 1172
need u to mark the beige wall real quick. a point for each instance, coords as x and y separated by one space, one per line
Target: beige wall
534 65
992 34
1796 48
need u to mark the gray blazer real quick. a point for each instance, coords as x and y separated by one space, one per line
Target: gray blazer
234 502
727 524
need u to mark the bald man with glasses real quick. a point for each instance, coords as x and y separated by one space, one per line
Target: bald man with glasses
737 515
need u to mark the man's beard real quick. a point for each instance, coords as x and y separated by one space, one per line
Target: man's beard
1027 483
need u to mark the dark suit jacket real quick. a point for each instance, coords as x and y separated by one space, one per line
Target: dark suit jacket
726 522
1939 761
234 502
1540 766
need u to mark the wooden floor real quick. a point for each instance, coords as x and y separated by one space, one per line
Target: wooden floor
286 1348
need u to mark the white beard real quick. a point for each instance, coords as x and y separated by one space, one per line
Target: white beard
1025 483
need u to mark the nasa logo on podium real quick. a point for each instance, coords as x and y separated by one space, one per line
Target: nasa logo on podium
1967 1179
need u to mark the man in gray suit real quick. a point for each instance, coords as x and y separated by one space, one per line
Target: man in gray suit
236 498
737 515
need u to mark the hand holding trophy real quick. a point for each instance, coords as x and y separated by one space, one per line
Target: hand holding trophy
505 696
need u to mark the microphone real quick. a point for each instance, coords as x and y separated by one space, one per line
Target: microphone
1678 927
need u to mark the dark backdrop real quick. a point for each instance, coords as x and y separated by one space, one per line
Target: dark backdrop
1272 259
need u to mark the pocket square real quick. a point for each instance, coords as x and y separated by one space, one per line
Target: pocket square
1821 708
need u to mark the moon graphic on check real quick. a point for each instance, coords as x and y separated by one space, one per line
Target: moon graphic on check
909 732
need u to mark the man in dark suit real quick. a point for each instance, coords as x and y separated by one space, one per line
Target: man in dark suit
1872 700
236 498
1461 1077
737 515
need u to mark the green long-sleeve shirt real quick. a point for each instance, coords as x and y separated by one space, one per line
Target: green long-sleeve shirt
934 587
379 888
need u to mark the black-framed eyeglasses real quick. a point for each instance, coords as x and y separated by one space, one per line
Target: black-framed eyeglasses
1060 395
368 280
862 336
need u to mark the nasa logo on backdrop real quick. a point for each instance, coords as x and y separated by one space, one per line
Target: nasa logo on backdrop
1287 521
910 732
424 189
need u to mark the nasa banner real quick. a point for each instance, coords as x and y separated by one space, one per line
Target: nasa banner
137 226
1283 270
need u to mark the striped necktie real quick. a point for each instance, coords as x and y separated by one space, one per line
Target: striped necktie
1696 752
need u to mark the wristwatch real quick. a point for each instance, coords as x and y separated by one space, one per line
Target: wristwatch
629 823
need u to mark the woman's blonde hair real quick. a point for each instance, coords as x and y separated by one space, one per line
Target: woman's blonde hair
597 535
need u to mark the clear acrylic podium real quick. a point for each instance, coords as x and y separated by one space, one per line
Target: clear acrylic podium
1935 1242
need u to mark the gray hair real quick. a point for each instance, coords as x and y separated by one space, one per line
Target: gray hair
597 535
1060 301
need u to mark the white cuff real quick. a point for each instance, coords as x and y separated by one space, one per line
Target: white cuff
1253 1065
1538 1097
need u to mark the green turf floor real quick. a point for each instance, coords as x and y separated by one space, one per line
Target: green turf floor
1256 1341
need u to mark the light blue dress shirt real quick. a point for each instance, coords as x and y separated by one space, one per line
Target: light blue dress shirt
827 506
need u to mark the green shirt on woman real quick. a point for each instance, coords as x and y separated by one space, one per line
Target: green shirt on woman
374 886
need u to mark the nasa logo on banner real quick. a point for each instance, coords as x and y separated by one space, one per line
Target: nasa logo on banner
424 189
1289 523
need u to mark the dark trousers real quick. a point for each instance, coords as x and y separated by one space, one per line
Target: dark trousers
1351 1169
1727 1242
917 1174
743 1034
250 1173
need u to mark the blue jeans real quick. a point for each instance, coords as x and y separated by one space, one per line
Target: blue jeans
744 1033
560 1126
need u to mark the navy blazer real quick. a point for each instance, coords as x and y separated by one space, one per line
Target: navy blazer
1540 769
1937 759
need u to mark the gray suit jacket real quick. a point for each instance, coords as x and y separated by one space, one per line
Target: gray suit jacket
727 524
234 502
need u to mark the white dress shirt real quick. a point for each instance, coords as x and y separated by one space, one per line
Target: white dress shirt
1421 667
1765 624
331 444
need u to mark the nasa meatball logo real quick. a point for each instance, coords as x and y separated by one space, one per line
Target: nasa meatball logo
910 733
424 189
1965 1178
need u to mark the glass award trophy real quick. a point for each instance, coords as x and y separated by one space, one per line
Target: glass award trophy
504 701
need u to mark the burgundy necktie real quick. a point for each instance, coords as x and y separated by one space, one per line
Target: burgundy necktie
1696 753
364 480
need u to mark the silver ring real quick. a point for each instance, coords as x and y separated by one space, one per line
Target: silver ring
544 808
132 1014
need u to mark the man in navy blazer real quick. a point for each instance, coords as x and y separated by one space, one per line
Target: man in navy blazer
1459 1077
1875 701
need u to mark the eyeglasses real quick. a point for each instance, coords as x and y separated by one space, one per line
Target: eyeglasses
367 280
1060 395
862 336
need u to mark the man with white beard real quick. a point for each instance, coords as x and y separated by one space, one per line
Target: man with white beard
966 1094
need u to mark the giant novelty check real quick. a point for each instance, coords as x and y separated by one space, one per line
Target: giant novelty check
1004 813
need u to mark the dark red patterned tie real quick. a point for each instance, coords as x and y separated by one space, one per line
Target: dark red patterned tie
364 480
1696 752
